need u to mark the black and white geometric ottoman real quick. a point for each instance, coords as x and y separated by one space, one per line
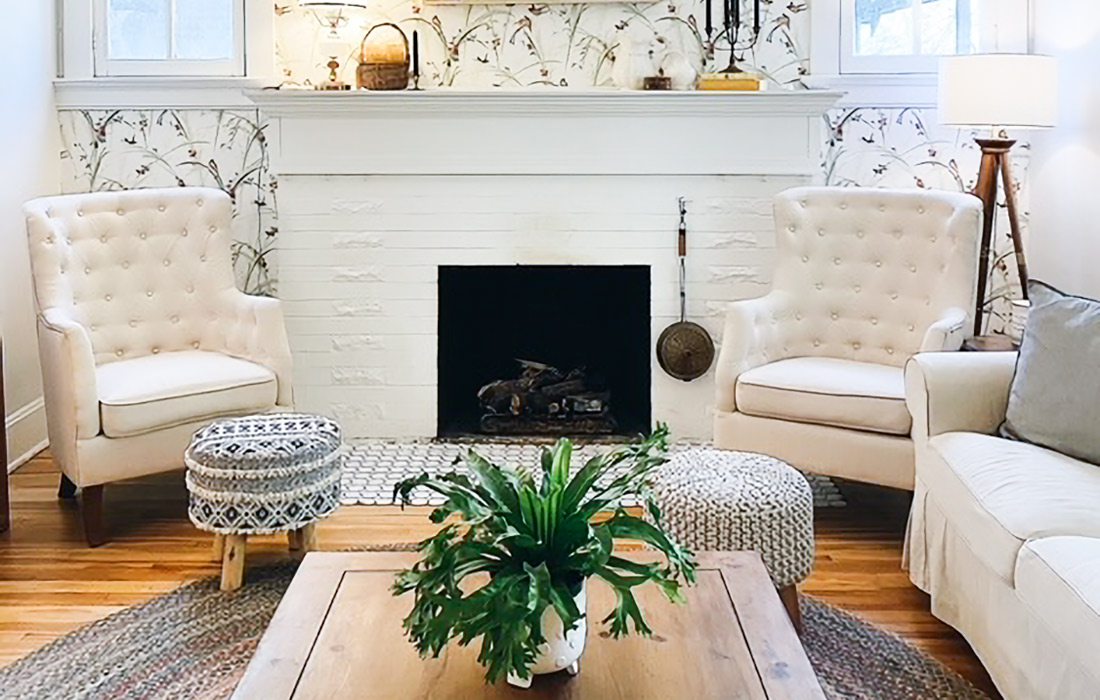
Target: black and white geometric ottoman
263 474
718 500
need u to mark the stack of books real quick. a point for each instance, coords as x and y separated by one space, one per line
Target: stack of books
741 82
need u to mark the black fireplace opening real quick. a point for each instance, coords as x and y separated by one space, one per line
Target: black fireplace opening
544 350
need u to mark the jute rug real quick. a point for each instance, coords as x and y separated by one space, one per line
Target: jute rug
195 642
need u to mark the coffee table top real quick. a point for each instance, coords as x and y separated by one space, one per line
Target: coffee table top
337 634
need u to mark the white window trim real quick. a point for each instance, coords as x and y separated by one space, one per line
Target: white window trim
900 83
78 86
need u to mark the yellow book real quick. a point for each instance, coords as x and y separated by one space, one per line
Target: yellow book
742 82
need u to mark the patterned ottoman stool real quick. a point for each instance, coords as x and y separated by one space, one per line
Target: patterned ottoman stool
726 501
259 475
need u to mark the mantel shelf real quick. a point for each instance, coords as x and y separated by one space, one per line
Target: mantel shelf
301 103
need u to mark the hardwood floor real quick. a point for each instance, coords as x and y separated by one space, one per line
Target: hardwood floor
51 583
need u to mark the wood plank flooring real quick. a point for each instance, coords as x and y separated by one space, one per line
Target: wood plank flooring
51 583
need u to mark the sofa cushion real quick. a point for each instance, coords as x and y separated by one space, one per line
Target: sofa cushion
1059 579
827 391
158 391
1001 493
1056 393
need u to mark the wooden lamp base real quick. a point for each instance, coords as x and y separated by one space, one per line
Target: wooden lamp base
996 166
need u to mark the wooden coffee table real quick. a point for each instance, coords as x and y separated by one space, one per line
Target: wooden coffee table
337 634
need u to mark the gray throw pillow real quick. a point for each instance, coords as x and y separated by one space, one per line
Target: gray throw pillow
1055 399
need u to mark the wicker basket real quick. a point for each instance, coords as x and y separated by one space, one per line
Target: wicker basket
374 75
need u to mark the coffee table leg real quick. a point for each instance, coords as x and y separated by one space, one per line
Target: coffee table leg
303 540
233 562
789 596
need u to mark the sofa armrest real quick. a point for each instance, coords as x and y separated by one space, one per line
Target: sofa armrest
754 335
958 391
257 332
947 333
69 385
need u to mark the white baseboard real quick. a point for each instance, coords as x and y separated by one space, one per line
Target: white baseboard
26 430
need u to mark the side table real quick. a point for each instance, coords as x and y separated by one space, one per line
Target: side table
990 343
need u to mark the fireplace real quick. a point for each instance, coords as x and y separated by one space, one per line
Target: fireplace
544 350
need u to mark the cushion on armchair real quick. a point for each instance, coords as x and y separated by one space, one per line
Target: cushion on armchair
171 388
1055 398
827 391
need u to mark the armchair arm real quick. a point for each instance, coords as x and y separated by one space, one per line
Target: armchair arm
257 332
69 384
753 336
947 333
958 391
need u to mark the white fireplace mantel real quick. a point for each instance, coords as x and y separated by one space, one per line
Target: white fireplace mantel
377 191
545 132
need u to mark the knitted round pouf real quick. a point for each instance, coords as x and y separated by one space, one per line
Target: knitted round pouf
262 474
728 501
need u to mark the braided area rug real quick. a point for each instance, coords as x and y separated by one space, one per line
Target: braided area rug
194 644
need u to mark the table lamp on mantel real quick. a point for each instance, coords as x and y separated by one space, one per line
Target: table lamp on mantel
331 14
998 92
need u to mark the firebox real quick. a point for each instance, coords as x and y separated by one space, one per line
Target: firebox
544 350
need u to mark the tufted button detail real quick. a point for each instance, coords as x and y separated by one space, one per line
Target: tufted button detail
80 212
120 212
874 321
195 345
167 262
49 239
894 296
175 319
202 258
821 232
834 316
889 351
190 289
882 207
133 324
214 229
103 238
92 327
790 228
798 317
805 258
858 289
184 233
199 202
912 268
143 235
856 346
125 264
87 270
819 286
162 208
156 351
107 298
149 293
843 205
878 263
817 343
860 234
836 261
912 328
920 210
118 353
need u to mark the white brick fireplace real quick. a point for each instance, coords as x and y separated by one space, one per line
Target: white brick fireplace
377 190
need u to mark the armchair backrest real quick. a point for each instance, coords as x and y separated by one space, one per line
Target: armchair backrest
141 270
867 271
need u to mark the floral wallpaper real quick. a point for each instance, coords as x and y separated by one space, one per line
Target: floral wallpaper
873 147
536 45
124 149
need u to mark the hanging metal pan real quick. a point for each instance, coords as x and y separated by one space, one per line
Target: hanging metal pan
685 350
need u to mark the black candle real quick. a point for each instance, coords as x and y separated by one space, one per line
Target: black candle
736 14
756 18
416 55
709 23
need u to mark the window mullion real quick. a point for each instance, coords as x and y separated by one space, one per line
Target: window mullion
172 30
918 46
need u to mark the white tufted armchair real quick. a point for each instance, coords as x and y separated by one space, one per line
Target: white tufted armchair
143 336
812 373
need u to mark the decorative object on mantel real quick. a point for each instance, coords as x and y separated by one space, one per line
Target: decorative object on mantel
335 43
657 82
685 349
416 60
384 66
536 535
732 77
998 91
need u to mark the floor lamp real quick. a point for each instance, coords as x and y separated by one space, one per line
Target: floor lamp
998 92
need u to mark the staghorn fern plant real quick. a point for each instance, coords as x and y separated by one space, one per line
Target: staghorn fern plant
537 543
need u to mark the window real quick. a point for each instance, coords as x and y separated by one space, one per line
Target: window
904 35
169 37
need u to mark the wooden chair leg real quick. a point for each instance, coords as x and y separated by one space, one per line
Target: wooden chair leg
789 596
219 546
91 508
66 489
303 540
233 562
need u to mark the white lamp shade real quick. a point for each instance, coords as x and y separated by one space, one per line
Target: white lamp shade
1010 90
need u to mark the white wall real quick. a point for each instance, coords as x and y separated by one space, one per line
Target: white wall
30 144
1064 245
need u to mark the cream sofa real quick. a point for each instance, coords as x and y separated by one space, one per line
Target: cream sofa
812 373
1004 535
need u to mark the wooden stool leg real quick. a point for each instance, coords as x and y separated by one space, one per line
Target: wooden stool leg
219 546
66 489
233 562
789 596
304 539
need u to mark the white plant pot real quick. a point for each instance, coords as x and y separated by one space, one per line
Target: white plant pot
562 650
